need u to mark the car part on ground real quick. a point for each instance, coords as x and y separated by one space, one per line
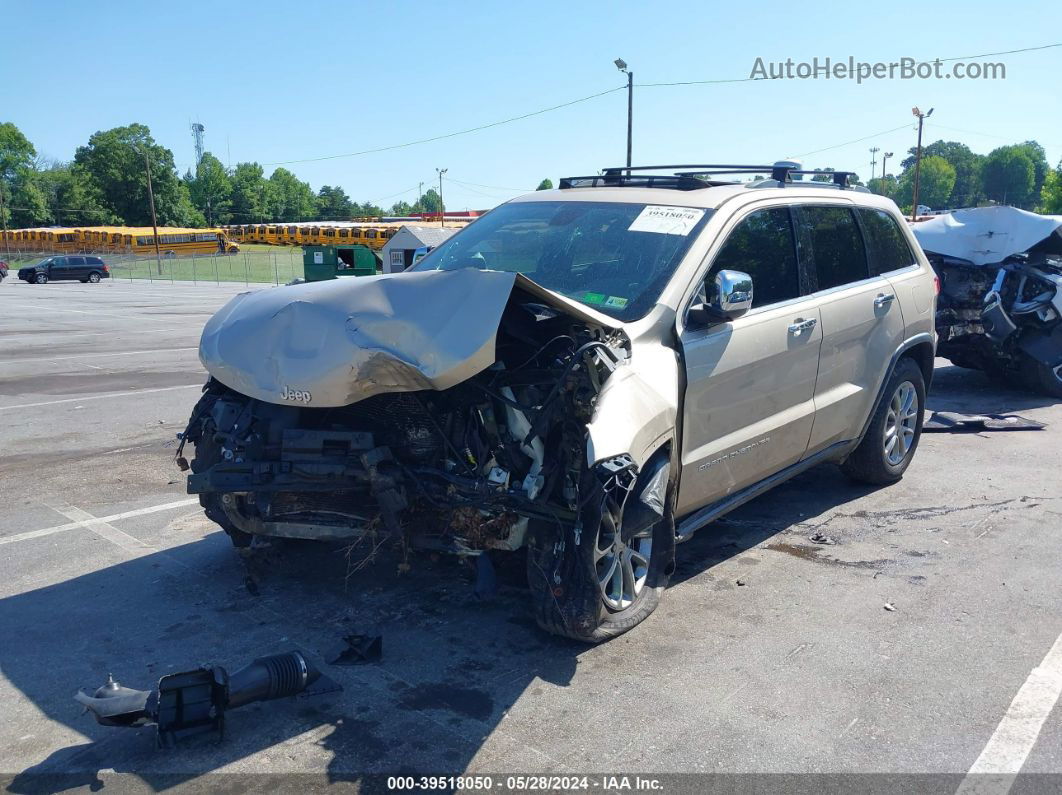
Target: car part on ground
195 701
1000 307
950 421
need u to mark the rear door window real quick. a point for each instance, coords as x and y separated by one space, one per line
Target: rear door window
762 246
836 245
887 247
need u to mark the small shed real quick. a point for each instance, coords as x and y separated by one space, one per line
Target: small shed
398 253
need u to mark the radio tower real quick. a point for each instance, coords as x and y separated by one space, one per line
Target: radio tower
197 133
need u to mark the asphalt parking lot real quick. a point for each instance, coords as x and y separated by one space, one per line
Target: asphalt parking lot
106 565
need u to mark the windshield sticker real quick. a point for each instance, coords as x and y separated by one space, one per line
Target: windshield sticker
666 220
612 301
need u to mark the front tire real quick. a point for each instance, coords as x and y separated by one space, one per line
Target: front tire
1044 378
40 278
895 428
603 581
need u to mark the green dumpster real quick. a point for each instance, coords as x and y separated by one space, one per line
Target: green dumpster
320 263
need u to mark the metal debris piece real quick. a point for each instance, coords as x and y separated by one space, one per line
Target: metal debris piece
819 538
890 607
945 421
358 650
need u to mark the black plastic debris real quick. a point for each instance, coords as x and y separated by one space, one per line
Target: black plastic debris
486 586
951 421
195 701
358 650
819 538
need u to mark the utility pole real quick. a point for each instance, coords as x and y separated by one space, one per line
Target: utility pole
154 220
442 207
3 218
918 158
622 66
873 161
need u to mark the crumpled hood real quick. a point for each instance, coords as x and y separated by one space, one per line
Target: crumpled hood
985 235
337 342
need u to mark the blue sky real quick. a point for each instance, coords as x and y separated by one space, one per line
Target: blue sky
280 81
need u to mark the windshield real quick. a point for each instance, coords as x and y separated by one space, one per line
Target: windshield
613 257
44 261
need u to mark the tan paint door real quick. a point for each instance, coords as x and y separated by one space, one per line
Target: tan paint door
749 404
862 324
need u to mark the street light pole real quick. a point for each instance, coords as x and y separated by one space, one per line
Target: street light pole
918 158
442 207
884 159
622 66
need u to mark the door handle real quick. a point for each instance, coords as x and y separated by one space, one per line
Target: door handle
801 326
883 299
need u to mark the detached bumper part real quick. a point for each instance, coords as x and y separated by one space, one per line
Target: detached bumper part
195 701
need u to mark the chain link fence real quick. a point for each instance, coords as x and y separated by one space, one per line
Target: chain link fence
264 265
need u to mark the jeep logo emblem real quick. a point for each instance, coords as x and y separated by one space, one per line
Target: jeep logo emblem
298 395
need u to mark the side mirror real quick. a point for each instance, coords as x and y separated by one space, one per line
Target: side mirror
731 298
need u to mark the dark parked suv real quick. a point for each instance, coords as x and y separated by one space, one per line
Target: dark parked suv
71 268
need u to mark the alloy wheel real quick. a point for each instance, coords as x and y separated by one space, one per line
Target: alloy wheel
621 564
900 423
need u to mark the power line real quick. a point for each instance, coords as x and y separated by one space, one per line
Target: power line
1004 52
854 141
451 134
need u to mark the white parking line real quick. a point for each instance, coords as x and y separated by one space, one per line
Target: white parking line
92 521
1016 734
101 397
97 355
50 308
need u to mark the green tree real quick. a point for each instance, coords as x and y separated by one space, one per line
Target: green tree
429 202
1051 193
19 199
73 199
290 198
935 184
883 186
114 161
211 190
546 184
967 190
250 194
366 210
333 204
401 208
1009 176
1041 168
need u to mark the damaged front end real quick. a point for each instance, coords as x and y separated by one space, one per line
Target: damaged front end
1000 305
444 410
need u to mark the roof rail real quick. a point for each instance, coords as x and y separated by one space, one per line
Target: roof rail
692 176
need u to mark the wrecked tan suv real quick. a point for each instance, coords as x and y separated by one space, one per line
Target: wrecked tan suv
593 373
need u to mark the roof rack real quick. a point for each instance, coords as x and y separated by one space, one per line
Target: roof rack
692 176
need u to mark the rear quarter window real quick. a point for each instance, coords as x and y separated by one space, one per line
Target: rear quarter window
837 247
887 247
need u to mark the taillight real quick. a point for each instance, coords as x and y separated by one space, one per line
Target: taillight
108 270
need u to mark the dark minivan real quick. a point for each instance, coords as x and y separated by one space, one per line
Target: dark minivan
70 268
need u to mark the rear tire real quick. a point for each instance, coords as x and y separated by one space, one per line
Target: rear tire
895 428
94 278
580 606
